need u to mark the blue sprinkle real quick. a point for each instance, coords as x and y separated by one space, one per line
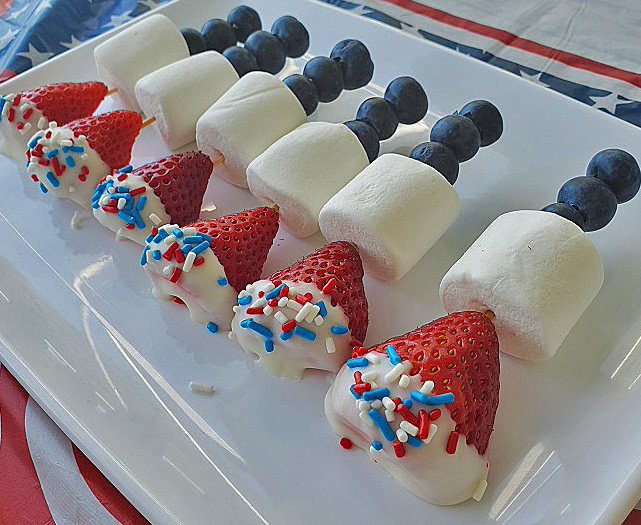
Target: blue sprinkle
376 393
394 358
354 392
186 248
65 149
382 423
70 162
193 239
43 188
339 329
53 179
120 195
201 247
143 259
414 441
357 361
176 231
377 445
139 222
150 237
259 328
122 189
141 204
205 236
52 153
222 281
156 254
408 403
127 217
323 308
95 205
75 147
269 345
440 399
126 169
246 299
286 335
34 140
274 293
212 327
245 323
161 235
2 102
304 332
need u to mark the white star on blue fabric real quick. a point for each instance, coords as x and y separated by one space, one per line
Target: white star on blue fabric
536 78
117 20
36 57
72 43
607 102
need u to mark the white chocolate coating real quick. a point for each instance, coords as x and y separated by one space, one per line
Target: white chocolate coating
536 271
394 211
153 213
427 471
206 299
129 55
15 141
253 114
304 169
179 93
290 358
87 165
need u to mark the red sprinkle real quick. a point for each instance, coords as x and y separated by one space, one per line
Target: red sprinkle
39 147
129 226
284 291
122 176
28 154
48 134
330 285
199 260
399 449
273 302
20 125
110 209
27 113
154 230
452 441
56 166
44 162
407 414
11 114
261 293
175 274
358 377
288 325
423 425
84 170
112 202
180 256
177 300
34 177
136 191
346 443
358 351
255 310
435 414
82 177
277 282
300 298
17 98
362 387
355 342
169 252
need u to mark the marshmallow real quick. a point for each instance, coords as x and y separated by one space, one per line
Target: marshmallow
536 271
179 93
394 211
427 471
15 140
254 113
129 55
304 169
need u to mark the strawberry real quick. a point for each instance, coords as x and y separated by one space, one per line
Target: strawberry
241 242
179 181
111 134
67 101
460 353
336 267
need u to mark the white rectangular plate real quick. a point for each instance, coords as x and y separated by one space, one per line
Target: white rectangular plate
112 365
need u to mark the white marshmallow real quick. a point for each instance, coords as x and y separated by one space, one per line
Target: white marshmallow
179 93
131 54
253 114
304 169
536 271
394 211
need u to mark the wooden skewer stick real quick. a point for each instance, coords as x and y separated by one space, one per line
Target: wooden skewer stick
489 314
275 206
112 91
148 121
219 159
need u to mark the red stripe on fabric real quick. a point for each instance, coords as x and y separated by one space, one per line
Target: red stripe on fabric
4 6
510 39
21 497
106 493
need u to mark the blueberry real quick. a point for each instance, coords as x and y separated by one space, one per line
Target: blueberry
440 157
195 41
242 60
619 170
379 114
268 50
245 21
408 98
593 198
567 211
487 118
219 34
304 90
326 76
367 136
293 35
355 61
459 134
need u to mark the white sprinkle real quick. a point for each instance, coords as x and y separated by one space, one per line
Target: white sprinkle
281 317
76 220
365 417
25 129
329 344
394 373
300 316
319 320
282 302
189 262
42 123
390 415
312 314
268 310
374 384
24 107
404 381
71 189
377 403
53 124
211 207
363 405
84 156
387 401
167 269
373 358
81 137
372 450
201 387
236 308
294 305
66 142
373 375
190 230
149 255
155 219
427 387
111 189
401 435
269 287
121 203
242 293
430 434
261 301
480 490
170 238
409 428
231 335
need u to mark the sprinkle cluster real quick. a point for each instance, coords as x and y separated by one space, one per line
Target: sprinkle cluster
19 114
126 202
414 428
292 310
